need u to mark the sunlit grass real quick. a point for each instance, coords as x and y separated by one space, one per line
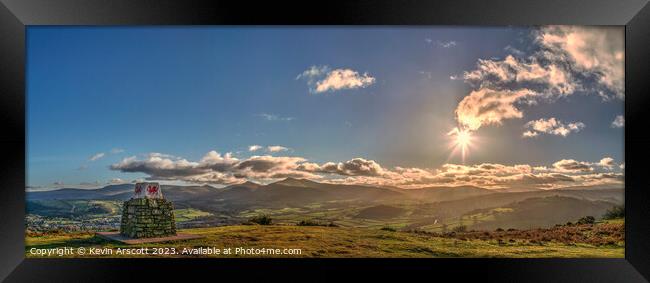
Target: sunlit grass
318 241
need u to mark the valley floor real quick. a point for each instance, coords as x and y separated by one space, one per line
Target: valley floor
317 241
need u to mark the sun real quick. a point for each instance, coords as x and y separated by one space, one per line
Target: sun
461 140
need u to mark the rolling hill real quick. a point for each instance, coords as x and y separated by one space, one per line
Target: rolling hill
291 200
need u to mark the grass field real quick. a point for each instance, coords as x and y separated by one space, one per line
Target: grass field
316 241
187 214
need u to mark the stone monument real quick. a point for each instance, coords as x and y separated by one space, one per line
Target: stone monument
147 214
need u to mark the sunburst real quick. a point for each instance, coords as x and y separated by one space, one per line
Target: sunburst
461 139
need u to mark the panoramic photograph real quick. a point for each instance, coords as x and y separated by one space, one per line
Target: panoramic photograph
314 141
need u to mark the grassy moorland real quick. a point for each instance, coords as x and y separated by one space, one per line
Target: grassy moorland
591 240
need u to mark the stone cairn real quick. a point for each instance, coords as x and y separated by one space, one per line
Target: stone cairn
148 214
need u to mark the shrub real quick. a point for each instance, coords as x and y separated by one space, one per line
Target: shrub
615 212
587 220
261 220
388 229
308 223
460 229
499 230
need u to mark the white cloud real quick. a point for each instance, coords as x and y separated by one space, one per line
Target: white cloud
214 168
354 167
597 50
270 148
273 117
322 79
313 72
487 106
607 162
548 79
224 169
97 156
619 122
529 134
551 126
254 147
570 165
116 181
567 60
276 148
446 44
117 150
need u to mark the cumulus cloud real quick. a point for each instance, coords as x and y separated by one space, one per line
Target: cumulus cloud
567 60
488 106
529 134
597 50
216 168
97 156
619 122
353 167
570 165
551 126
270 148
490 175
322 79
313 72
254 147
547 79
607 162
276 148
213 168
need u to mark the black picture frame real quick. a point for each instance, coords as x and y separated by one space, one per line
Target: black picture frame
16 15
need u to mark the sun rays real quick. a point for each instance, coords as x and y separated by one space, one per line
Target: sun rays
461 140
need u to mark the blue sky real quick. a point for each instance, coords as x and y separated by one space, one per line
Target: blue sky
183 92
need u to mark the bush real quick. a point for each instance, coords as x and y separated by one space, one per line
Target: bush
261 220
309 223
499 230
615 212
587 220
388 229
460 229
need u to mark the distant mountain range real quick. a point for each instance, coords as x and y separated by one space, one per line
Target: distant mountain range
284 192
353 203
292 192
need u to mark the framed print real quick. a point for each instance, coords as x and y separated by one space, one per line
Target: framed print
365 136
